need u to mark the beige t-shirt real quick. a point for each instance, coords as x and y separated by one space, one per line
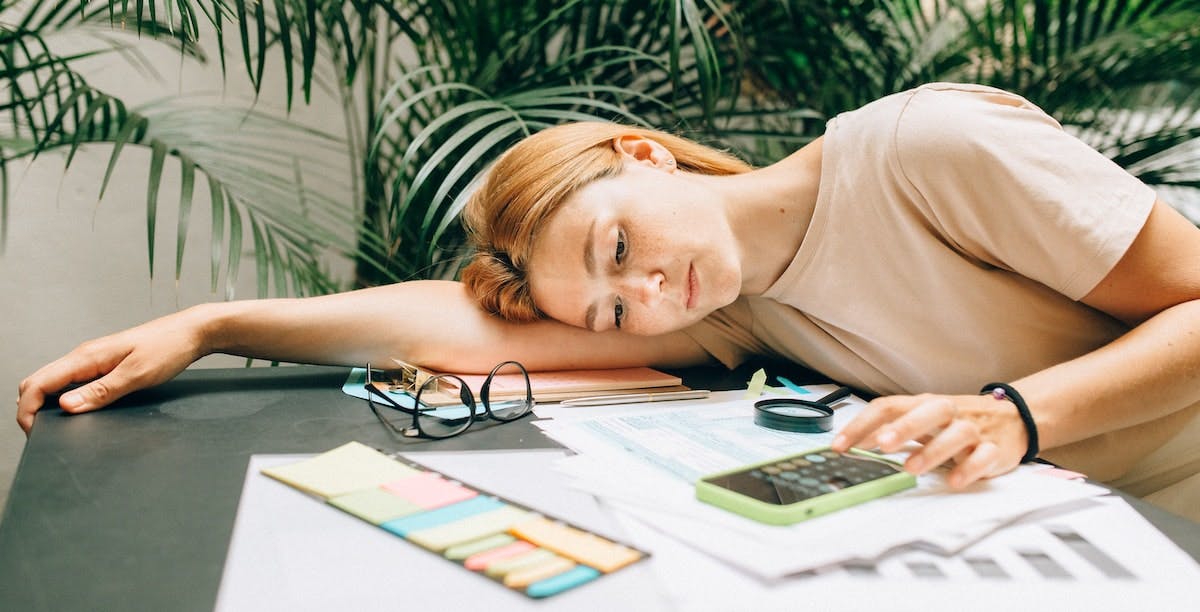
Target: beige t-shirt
955 229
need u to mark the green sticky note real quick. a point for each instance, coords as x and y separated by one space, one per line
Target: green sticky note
345 469
755 387
462 551
375 505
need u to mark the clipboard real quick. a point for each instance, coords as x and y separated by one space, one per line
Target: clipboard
548 386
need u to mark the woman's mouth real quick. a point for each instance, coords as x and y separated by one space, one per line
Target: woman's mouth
692 288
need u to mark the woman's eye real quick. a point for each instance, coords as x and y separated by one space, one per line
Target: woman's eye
618 313
620 245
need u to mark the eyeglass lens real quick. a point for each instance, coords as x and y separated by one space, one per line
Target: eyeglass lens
505 396
444 421
506 393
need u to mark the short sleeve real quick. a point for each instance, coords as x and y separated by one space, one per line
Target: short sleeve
728 334
1005 184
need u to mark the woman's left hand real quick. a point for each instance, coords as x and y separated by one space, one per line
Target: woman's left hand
984 436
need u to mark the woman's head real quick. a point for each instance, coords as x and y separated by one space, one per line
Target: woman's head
532 181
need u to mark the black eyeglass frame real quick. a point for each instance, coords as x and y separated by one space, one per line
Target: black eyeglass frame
465 395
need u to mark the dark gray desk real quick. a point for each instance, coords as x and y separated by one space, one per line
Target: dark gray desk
132 508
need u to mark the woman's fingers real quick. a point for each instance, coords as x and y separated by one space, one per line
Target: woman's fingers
950 429
954 441
96 361
981 463
888 423
861 430
49 379
98 393
928 416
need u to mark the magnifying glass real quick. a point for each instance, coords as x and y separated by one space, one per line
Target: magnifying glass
798 415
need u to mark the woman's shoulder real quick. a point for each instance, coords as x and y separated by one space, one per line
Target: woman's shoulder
946 113
964 105
945 128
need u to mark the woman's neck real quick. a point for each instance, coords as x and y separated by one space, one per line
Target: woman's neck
769 211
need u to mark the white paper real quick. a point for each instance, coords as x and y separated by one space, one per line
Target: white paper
290 551
1164 577
645 462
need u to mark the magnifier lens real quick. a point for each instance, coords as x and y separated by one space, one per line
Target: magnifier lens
794 415
796 411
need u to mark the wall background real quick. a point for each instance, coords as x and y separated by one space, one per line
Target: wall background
75 268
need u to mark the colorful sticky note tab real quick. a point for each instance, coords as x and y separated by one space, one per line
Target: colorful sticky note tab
345 469
441 516
581 574
522 578
375 505
502 567
793 386
442 537
582 546
758 380
483 559
430 490
482 545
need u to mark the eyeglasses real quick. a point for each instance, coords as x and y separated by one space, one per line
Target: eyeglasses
506 396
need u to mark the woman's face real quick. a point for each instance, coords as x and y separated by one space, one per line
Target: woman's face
648 251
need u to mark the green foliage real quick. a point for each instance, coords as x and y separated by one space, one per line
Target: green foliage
1123 75
433 90
485 74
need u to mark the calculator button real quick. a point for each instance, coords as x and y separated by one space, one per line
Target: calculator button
757 474
830 454
770 469
815 458
801 463
790 476
785 465
809 481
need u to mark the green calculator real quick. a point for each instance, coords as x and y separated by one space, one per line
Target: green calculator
802 486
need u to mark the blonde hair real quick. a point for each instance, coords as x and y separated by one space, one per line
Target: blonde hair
530 181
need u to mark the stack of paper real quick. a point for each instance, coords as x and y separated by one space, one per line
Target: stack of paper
646 460
1097 555
547 386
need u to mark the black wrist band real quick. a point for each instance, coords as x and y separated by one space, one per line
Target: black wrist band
1002 391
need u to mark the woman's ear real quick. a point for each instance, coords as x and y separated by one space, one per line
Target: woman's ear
644 150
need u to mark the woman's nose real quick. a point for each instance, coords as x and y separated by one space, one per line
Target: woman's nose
646 288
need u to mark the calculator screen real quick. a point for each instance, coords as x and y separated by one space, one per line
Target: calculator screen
802 477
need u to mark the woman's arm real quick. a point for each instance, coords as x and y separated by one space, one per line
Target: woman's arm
433 323
1149 373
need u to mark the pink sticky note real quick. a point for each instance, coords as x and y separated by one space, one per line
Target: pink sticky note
1061 473
481 560
429 491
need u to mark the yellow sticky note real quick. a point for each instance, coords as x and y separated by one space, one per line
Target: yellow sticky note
375 505
757 382
582 546
350 467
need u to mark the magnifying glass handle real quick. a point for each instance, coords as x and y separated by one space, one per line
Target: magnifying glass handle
840 393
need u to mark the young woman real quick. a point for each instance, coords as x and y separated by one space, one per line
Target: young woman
931 242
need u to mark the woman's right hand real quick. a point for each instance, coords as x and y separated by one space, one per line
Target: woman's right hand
115 365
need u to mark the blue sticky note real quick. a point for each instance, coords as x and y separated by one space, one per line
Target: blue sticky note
793 386
446 514
354 387
556 584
